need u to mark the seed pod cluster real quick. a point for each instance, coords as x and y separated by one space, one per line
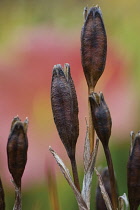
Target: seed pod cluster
101 117
2 201
133 174
65 107
17 149
93 46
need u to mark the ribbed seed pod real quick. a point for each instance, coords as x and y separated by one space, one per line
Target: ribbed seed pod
93 46
133 174
65 107
102 123
101 117
2 201
17 149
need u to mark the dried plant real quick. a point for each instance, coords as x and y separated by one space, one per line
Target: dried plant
103 123
65 111
17 155
93 54
93 46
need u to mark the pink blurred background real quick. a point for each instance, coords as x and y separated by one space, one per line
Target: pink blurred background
29 50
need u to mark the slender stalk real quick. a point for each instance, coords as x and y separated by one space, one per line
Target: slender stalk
75 173
112 177
91 126
18 201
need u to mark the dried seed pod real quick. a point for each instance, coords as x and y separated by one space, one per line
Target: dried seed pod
2 202
65 107
17 149
100 204
93 46
101 117
133 174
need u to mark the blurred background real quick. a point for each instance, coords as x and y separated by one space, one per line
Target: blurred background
34 36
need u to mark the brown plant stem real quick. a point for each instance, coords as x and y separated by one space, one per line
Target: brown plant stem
75 173
91 126
112 177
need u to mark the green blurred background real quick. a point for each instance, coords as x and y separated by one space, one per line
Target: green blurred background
34 36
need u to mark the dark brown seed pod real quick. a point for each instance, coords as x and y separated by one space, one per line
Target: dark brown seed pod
17 149
93 46
100 204
133 174
2 201
101 117
65 107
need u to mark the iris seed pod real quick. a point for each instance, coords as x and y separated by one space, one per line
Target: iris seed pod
133 174
17 149
93 46
101 117
2 201
65 107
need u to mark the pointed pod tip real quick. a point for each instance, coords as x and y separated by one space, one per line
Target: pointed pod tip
26 120
16 118
67 70
101 97
58 70
94 11
18 124
25 124
132 134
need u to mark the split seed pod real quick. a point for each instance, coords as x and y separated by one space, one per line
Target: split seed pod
101 117
65 107
133 174
2 202
17 149
93 46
